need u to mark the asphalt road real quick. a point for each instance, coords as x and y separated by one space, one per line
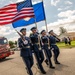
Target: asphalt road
14 65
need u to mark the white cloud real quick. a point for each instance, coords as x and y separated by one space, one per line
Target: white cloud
68 23
11 2
34 2
66 8
59 9
4 31
54 2
14 38
68 20
70 27
20 0
68 2
67 13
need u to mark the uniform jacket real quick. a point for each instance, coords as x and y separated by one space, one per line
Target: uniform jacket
25 52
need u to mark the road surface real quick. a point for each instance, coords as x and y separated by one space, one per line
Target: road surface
14 65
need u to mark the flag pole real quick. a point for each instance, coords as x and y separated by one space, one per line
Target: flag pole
35 22
46 25
45 20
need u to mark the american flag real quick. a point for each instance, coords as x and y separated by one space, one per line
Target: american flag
17 11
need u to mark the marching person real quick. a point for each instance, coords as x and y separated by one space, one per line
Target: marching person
69 40
65 40
46 46
35 40
53 40
26 54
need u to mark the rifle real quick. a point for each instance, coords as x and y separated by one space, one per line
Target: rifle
39 42
48 43
55 35
23 39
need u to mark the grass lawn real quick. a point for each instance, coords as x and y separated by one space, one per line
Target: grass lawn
62 45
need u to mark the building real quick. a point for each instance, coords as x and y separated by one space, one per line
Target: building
71 35
68 34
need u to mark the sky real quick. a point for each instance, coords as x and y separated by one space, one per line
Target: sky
59 13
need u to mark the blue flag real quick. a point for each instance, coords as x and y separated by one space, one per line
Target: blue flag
39 16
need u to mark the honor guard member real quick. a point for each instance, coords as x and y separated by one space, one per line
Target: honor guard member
24 44
46 46
35 40
53 40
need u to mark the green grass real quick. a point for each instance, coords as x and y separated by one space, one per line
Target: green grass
62 45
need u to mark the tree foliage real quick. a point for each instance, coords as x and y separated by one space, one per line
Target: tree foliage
11 43
62 30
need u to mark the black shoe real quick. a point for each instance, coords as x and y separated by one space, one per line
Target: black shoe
52 67
37 66
57 62
27 70
43 72
46 62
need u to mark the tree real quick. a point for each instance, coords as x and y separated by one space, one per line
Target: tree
62 30
11 43
15 42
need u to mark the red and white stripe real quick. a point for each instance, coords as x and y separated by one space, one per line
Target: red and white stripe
9 14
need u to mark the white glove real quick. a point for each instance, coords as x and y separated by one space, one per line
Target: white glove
25 42
52 49
42 43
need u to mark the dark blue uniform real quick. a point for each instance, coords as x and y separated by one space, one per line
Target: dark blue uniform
55 47
26 54
38 53
46 46
65 40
